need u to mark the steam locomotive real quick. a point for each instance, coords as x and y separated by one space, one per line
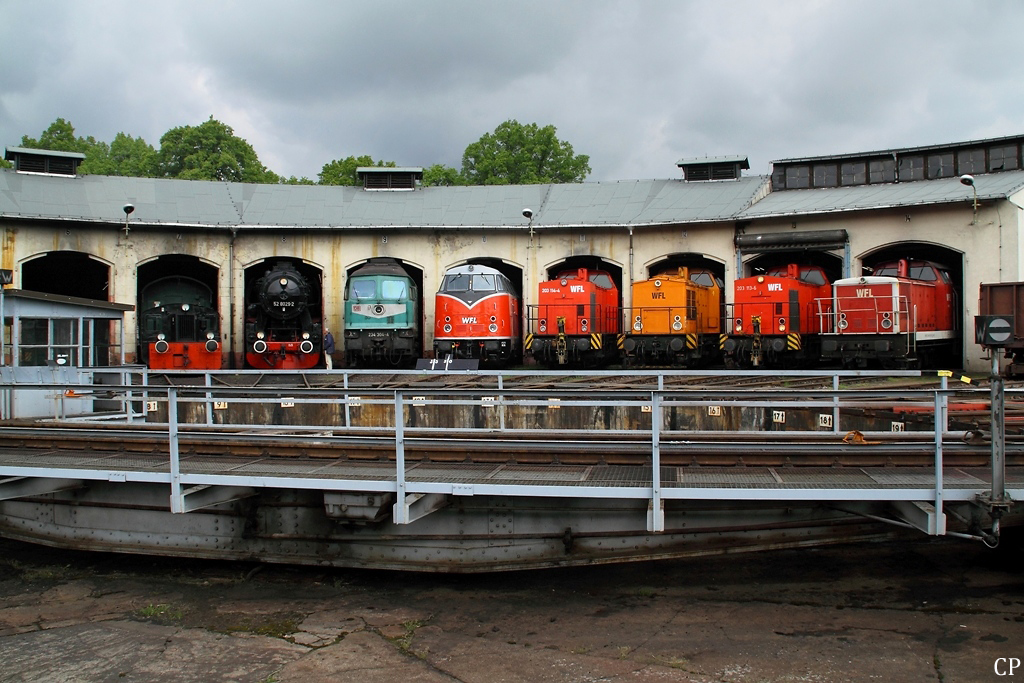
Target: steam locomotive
282 329
179 328
476 315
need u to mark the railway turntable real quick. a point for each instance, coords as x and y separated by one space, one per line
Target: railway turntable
502 471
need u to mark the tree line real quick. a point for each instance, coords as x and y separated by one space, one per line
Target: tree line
513 154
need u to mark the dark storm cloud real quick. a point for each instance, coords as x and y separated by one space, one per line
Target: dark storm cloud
636 86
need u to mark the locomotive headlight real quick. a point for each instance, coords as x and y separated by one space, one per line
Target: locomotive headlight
259 346
886 324
210 335
161 346
161 336
583 325
305 335
638 326
739 325
306 346
843 324
563 282
677 318
212 345
494 319
782 325
543 325
260 335
760 278
657 283
492 328
185 307
447 318
283 281
447 329
677 326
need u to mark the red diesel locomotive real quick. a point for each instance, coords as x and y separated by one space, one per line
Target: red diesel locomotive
902 315
576 319
776 318
477 315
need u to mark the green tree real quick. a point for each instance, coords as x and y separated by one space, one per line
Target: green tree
441 175
126 156
292 180
132 156
517 154
210 151
60 137
343 171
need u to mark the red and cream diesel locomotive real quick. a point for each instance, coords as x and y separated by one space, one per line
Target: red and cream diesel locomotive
902 315
477 315
776 318
576 319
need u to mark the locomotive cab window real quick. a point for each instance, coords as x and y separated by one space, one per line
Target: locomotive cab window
602 280
812 276
394 289
456 283
923 272
362 289
483 283
704 279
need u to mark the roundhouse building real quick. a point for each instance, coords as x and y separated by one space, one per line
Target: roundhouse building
106 238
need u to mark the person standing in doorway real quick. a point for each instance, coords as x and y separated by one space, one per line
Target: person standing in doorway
328 348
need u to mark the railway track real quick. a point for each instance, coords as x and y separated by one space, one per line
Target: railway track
968 449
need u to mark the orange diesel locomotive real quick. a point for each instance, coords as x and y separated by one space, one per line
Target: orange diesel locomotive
476 315
776 318
576 319
676 318
902 315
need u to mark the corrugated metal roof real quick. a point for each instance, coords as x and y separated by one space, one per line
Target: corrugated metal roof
217 204
193 203
884 195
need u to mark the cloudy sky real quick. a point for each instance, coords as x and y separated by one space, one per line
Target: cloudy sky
635 85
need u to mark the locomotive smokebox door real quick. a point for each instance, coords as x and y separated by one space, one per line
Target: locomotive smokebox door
993 330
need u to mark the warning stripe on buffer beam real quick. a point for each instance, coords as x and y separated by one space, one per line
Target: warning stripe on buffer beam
793 341
595 341
529 341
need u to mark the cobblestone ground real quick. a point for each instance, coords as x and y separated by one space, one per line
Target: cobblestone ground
925 610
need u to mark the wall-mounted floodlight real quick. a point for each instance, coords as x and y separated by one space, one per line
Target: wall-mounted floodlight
968 180
127 208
